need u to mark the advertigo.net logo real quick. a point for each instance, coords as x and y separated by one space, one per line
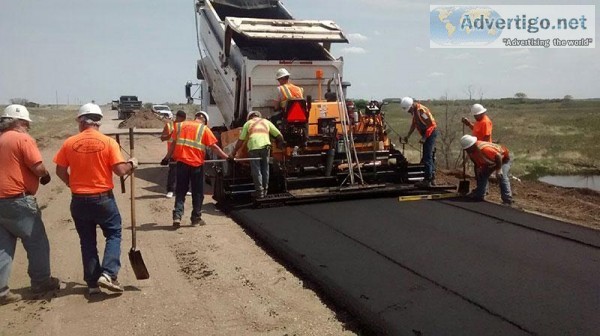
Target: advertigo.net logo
502 26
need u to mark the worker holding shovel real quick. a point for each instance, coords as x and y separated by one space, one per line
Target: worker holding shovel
85 163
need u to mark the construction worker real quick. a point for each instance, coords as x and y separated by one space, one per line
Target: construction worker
20 215
482 128
85 163
423 121
166 135
257 132
487 158
286 90
191 139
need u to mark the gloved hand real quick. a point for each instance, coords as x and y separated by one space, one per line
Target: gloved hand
404 139
499 174
465 121
282 145
422 140
45 179
164 162
231 159
134 163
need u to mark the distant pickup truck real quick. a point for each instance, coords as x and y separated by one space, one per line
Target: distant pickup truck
127 106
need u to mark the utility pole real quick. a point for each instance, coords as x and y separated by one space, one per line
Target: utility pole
56 94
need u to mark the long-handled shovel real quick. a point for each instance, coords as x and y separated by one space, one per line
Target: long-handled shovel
464 185
135 256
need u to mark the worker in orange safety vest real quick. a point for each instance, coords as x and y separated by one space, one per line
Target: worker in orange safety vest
191 139
166 135
286 90
487 158
423 121
482 127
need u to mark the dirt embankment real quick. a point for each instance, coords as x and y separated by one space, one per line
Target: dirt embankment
143 119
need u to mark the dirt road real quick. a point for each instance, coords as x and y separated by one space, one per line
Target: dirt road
210 280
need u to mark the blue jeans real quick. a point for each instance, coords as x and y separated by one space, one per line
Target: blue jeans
260 169
172 176
87 212
482 183
22 218
427 159
186 176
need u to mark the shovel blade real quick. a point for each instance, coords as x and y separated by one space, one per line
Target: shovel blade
137 263
464 187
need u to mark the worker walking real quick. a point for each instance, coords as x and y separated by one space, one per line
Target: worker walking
482 128
166 135
423 121
191 139
487 158
257 132
85 163
286 90
20 215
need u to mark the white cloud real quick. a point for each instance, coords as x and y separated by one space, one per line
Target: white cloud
436 74
377 33
357 37
354 50
419 50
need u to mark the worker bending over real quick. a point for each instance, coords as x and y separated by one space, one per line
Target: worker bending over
489 157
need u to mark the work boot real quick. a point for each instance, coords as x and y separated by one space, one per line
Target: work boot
9 297
50 285
176 223
198 222
106 281
94 290
423 184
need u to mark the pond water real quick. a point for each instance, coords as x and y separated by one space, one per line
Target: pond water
573 181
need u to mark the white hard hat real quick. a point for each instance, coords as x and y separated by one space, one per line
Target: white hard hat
254 113
205 116
467 141
281 73
89 108
477 109
406 103
17 112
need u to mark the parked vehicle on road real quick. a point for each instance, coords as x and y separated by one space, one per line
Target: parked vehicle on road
163 111
128 105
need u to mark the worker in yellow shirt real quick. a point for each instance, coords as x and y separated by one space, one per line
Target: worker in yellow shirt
258 131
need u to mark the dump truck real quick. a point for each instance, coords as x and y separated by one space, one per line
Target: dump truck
329 152
127 106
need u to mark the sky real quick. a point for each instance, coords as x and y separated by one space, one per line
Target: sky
72 51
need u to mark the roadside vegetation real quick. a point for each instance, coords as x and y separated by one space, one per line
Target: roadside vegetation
546 137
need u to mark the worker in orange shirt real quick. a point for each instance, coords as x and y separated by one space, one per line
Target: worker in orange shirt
488 158
166 135
482 128
286 90
20 215
191 139
423 121
85 163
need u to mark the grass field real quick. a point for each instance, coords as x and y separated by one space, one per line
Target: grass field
545 136
53 123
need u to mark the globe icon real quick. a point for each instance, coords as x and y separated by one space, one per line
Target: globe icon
463 26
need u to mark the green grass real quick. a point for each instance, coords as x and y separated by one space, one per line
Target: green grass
545 136
52 123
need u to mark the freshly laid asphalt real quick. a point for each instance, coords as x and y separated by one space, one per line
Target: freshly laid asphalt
441 267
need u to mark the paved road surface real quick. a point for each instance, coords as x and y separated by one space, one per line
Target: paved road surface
442 267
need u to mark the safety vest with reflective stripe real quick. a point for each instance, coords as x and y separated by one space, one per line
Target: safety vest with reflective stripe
189 148
419 121
289 91
169 126
484 154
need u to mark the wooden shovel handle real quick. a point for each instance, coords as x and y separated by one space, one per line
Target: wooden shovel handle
132 191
